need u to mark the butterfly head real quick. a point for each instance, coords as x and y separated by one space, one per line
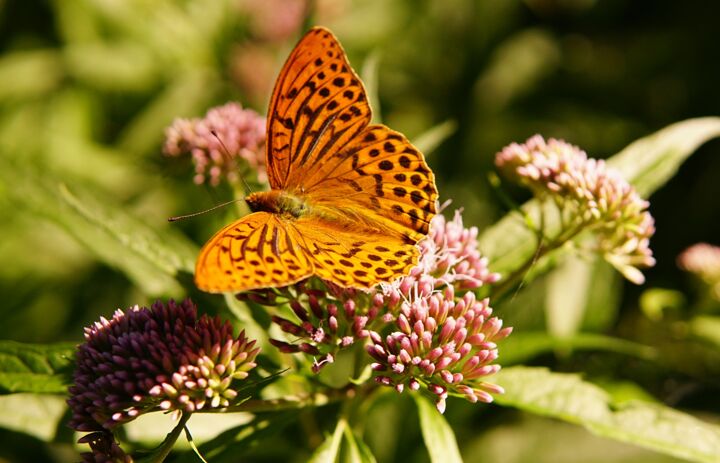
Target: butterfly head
277 202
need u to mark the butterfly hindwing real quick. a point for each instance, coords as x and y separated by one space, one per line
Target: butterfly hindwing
351 259
254 252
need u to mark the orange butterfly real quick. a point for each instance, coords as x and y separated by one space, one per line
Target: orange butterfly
349 200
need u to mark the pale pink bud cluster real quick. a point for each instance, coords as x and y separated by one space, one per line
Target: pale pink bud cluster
703 261
324 318
449 256
590 195
440 344
162 358
228 142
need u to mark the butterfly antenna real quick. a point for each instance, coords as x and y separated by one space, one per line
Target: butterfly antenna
194 214
226 153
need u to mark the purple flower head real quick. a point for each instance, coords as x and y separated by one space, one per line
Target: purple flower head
162 358
440 344
227 143
589 195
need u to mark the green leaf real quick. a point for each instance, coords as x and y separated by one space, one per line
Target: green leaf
33 414
706 327
521 347
650 162
366 455
566 295
188 95
329 450
581 293
29 74
568 397
428 141
355 450
120 66
646 163
369 77
437 433
167 250
654 302
34 367
149 256
231 445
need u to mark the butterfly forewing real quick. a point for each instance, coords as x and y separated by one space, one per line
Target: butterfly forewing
254 252
318 106
381 176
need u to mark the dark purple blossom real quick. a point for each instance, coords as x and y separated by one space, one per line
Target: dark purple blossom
162 358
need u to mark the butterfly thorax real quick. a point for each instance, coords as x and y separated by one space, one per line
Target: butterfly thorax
277 202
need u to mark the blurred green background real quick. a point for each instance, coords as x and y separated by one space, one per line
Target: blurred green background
88 86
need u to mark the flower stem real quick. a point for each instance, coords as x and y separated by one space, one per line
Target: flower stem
318 399
500 290
161 453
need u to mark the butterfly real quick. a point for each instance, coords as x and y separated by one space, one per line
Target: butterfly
349 199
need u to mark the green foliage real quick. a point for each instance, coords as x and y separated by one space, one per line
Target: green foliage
437 433
569 398
35 368
87 89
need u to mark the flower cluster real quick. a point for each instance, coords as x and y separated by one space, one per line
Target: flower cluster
449 256
590 196
162 358
325 318
328 318
435 339
703 261
227 141
443 344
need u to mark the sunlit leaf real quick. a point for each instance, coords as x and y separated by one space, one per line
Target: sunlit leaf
29 74
651 161
706 327
33 414
568 397
369 77
428 141
35 367
438 435
230 445
149 257
524 346
355 450
330 449
566 295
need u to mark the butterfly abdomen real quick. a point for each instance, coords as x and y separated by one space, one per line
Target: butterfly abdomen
277 202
